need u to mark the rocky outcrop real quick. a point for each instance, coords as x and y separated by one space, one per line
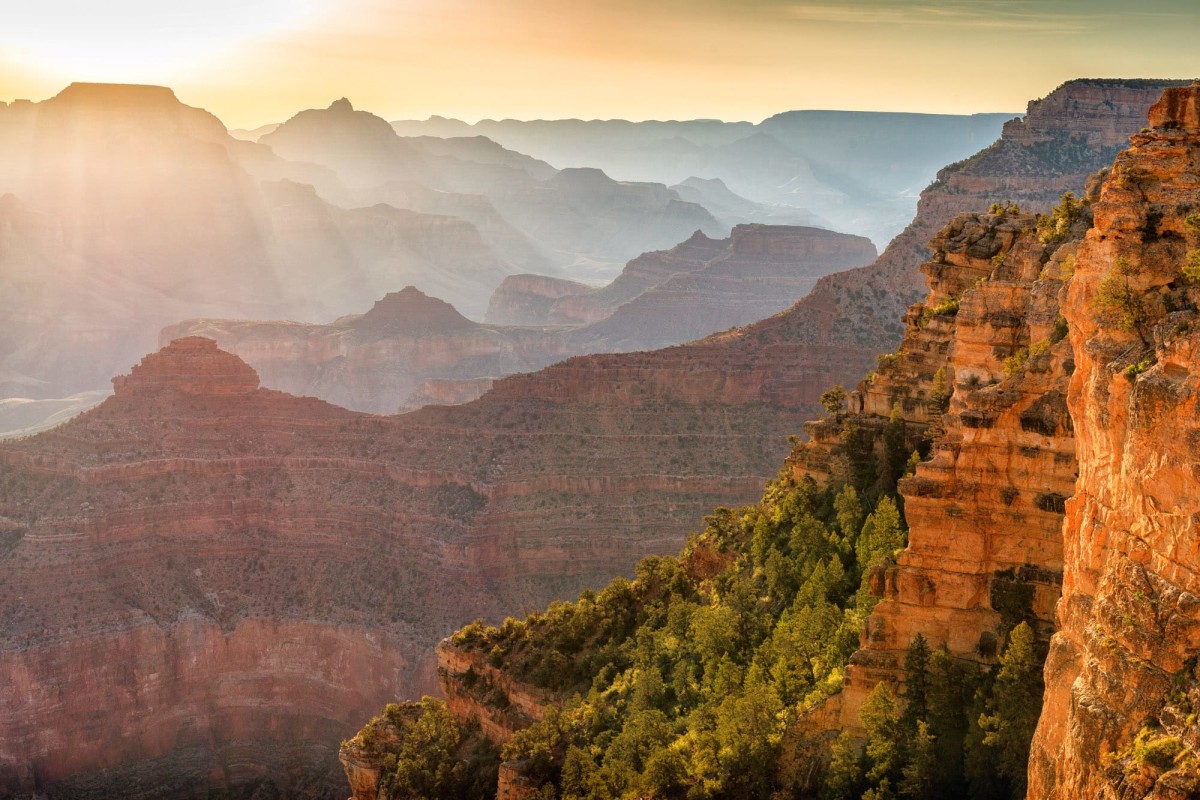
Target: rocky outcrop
698 287
760 271
570 303
1122 688
530 299
982 370
986 510
478 692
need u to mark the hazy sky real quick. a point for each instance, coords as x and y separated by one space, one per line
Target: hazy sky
257 61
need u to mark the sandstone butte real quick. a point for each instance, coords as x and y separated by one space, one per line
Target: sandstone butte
986 510
410 347
226 580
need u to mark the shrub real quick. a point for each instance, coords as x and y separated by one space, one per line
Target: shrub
1016 362
1117 300
1055 227
1191 269
948 307
1155 750
1133 370
1060 330
834 401
885 361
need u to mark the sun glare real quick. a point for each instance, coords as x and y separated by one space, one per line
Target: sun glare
137 40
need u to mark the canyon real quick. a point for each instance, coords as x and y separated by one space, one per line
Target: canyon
852 171
214 513
411 348
241 543
123 210
1039 368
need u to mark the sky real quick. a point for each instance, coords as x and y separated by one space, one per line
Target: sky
253 62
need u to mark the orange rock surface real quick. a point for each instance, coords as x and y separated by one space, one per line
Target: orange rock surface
1124 657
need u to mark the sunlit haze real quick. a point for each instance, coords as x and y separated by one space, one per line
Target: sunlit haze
257 61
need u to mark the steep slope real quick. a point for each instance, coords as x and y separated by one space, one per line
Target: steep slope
1122 686
867 304
983 370
528 299
523 300
989 342
700 286
983 555
761 270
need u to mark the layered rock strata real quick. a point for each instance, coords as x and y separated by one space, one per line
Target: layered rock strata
1004 497
1122 687
240 577
408 347
983 368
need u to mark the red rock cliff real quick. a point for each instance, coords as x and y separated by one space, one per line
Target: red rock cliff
1121 676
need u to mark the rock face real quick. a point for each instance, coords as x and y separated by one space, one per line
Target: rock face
861 310
1123 663
530 299
1028 410
761 270
698 287
982 370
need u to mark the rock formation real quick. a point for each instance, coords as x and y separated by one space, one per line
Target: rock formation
574 216
205 533
1122 684
983 371
698 287
377 361
123 210
760 271
263 571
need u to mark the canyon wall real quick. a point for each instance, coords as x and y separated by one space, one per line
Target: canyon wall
1122 686
982 373
280 568
983 368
